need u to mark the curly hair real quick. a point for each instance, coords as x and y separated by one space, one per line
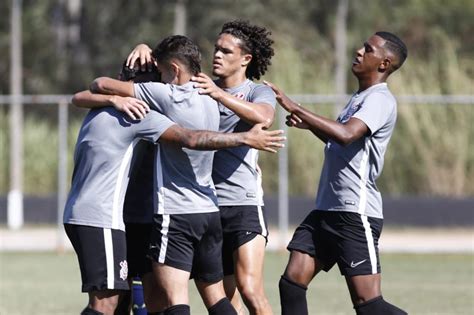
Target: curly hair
255 40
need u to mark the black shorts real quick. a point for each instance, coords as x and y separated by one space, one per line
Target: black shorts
346 238
138 240
240 224
189 242
102 255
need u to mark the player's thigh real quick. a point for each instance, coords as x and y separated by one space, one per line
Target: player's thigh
356 237
302 267
248 260
172 240
172 283
102 256
207 263
309 251
363 287
211 293
241 225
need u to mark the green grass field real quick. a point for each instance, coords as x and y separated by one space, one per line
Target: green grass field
49 283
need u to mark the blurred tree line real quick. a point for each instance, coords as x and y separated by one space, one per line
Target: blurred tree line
67 43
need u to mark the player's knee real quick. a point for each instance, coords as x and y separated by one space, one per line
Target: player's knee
106 305
253 295
256 303
299 273
378 306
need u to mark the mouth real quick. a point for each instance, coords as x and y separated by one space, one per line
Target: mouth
216 65
355 62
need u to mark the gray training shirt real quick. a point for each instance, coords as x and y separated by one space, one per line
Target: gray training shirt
101 165
236 174
140 199
348 176
184 182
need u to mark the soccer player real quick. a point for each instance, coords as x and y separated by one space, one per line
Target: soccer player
242 54
187 235
93 213
346 225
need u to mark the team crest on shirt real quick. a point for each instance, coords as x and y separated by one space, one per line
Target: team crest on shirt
123 270
350 112
240 95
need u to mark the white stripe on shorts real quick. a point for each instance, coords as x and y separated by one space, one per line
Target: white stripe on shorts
109 258
164 238
262 221
370 243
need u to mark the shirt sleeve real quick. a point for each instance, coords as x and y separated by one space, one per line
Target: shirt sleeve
375 111
263 94
153 126
155 94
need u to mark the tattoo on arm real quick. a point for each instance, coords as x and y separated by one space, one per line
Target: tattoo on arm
202 139
208 140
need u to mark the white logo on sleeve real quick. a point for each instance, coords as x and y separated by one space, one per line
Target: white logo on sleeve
353 264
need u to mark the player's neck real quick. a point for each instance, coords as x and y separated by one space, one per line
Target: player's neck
365 83
231 81
183 78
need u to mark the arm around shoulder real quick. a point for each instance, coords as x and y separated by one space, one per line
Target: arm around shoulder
105 85
86 99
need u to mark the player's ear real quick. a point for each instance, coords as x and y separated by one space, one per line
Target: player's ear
176 69
246 59
385 65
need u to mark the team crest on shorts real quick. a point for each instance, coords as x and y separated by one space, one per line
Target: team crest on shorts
123 270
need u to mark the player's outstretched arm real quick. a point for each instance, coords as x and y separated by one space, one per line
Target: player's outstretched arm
252 113
134 108
257 138
322 127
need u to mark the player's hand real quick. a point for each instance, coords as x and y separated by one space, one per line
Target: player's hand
207 86
282 99
134 108
265 140
293 120
141 53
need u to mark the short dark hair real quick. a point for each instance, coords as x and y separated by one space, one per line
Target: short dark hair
181 48
396 46
255 41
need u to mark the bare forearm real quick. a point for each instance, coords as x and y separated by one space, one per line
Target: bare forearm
202 139
324 128
86 99
208 140
252 113
105 85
